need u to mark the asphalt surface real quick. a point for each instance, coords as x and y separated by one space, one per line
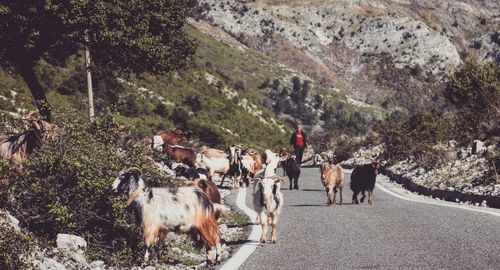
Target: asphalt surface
390 234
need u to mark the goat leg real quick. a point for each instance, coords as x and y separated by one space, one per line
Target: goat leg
355 198
340 191
218 250
150 236
334 196
257 220
273 233
327 196
210 260
263 237
221 181
370 197
274 221
363 196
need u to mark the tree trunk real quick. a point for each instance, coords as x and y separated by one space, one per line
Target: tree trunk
35 87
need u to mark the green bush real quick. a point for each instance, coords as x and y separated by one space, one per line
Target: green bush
475 91
416 136
16 248
65 187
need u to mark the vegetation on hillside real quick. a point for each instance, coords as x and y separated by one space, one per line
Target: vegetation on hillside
130 37
474 92
51 195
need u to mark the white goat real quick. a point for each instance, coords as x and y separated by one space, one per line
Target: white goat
268 202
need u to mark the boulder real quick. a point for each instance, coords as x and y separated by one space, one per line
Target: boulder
97 265
68 242
477 147
74 246
462 154
50 264
452 144
14 222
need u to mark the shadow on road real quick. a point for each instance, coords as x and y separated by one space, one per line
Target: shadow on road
313 205
306 189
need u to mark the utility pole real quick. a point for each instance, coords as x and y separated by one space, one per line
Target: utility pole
89 84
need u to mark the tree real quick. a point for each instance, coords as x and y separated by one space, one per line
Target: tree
475 91
123 36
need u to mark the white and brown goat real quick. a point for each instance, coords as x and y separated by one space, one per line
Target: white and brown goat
332 178
17 148
184 210
268 203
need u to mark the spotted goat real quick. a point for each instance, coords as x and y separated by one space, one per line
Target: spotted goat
182 210
268 203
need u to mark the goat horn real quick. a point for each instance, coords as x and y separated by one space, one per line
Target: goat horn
134 170
277 178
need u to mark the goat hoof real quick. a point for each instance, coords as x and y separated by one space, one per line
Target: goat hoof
274 241
263 241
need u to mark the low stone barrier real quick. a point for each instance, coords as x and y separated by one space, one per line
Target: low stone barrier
447 195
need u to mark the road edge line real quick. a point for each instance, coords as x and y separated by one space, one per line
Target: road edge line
448 204
248 248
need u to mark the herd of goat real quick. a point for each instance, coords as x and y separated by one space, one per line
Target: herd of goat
191 204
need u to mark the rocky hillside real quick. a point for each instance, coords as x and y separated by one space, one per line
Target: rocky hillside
383 52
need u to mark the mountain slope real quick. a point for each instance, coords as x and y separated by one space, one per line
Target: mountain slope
384 52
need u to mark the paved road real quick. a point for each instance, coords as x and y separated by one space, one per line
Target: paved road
391 234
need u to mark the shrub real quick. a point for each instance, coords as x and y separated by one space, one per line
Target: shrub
15 247
475 91
65 187
416 136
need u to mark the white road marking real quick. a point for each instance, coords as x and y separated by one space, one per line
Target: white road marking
423 199
405 197
253 239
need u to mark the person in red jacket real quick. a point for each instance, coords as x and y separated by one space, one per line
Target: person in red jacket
298 142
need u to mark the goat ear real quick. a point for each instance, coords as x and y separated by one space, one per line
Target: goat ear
275 189
202 184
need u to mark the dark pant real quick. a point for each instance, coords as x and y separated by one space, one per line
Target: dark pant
299 151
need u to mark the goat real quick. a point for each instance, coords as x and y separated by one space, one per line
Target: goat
236 168
161 210
332 179
283 157
211 152
210 189
17 148
272 161
268 203
219 165
181 154
363 180
292 169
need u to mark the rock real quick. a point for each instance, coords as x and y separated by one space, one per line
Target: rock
97 265
176 250
490 148
14 222
484 203
462 154
73 245
452 143
477 147
223 228
70 242
50 264
224 254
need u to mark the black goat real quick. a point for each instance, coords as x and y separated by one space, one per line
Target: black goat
292 169
363 180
